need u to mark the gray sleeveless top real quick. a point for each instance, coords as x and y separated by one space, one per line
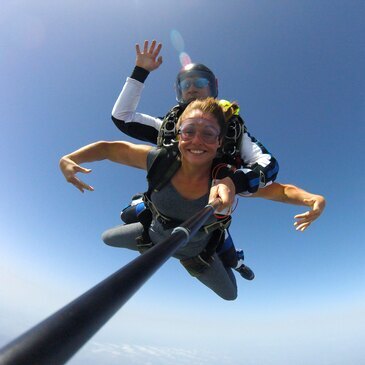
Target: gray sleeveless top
170 203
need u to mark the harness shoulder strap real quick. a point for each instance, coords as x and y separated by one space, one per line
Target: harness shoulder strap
167 133
230 150
163 168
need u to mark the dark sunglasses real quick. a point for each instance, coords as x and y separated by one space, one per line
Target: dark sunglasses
199 83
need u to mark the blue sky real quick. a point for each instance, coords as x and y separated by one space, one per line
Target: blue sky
297 70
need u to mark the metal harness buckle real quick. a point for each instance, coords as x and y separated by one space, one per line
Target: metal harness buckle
142 245
221 224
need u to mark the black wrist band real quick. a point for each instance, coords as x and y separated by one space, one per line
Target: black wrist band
140 74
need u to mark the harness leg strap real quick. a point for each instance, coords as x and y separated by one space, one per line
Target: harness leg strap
196 265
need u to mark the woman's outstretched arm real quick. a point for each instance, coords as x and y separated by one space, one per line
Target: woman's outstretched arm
120 152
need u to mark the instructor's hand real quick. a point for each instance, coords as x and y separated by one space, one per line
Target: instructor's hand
148 58
304 220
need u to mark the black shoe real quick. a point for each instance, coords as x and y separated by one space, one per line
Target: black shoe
129 214
138 197
246 272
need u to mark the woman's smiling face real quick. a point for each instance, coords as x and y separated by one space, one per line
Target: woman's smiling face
199 137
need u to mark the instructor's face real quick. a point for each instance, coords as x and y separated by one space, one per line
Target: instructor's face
193 88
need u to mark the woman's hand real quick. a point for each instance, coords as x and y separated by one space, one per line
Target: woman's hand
148 58
304 220
224 190
69 169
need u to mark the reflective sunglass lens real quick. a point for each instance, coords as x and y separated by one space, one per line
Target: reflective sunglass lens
198 83
185 84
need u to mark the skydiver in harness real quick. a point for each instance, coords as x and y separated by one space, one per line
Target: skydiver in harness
254 166
184 192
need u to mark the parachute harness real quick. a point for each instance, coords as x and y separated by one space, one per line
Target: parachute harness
167 163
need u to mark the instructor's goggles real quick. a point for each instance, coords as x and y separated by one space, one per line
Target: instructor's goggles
207 134
199 83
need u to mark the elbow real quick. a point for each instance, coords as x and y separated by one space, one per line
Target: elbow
288 192
121 124
322 200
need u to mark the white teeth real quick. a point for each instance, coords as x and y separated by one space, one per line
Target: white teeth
197 152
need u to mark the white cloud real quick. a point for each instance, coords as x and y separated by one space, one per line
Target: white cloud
154 355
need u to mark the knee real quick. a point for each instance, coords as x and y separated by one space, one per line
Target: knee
229 296
123 235
108 237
